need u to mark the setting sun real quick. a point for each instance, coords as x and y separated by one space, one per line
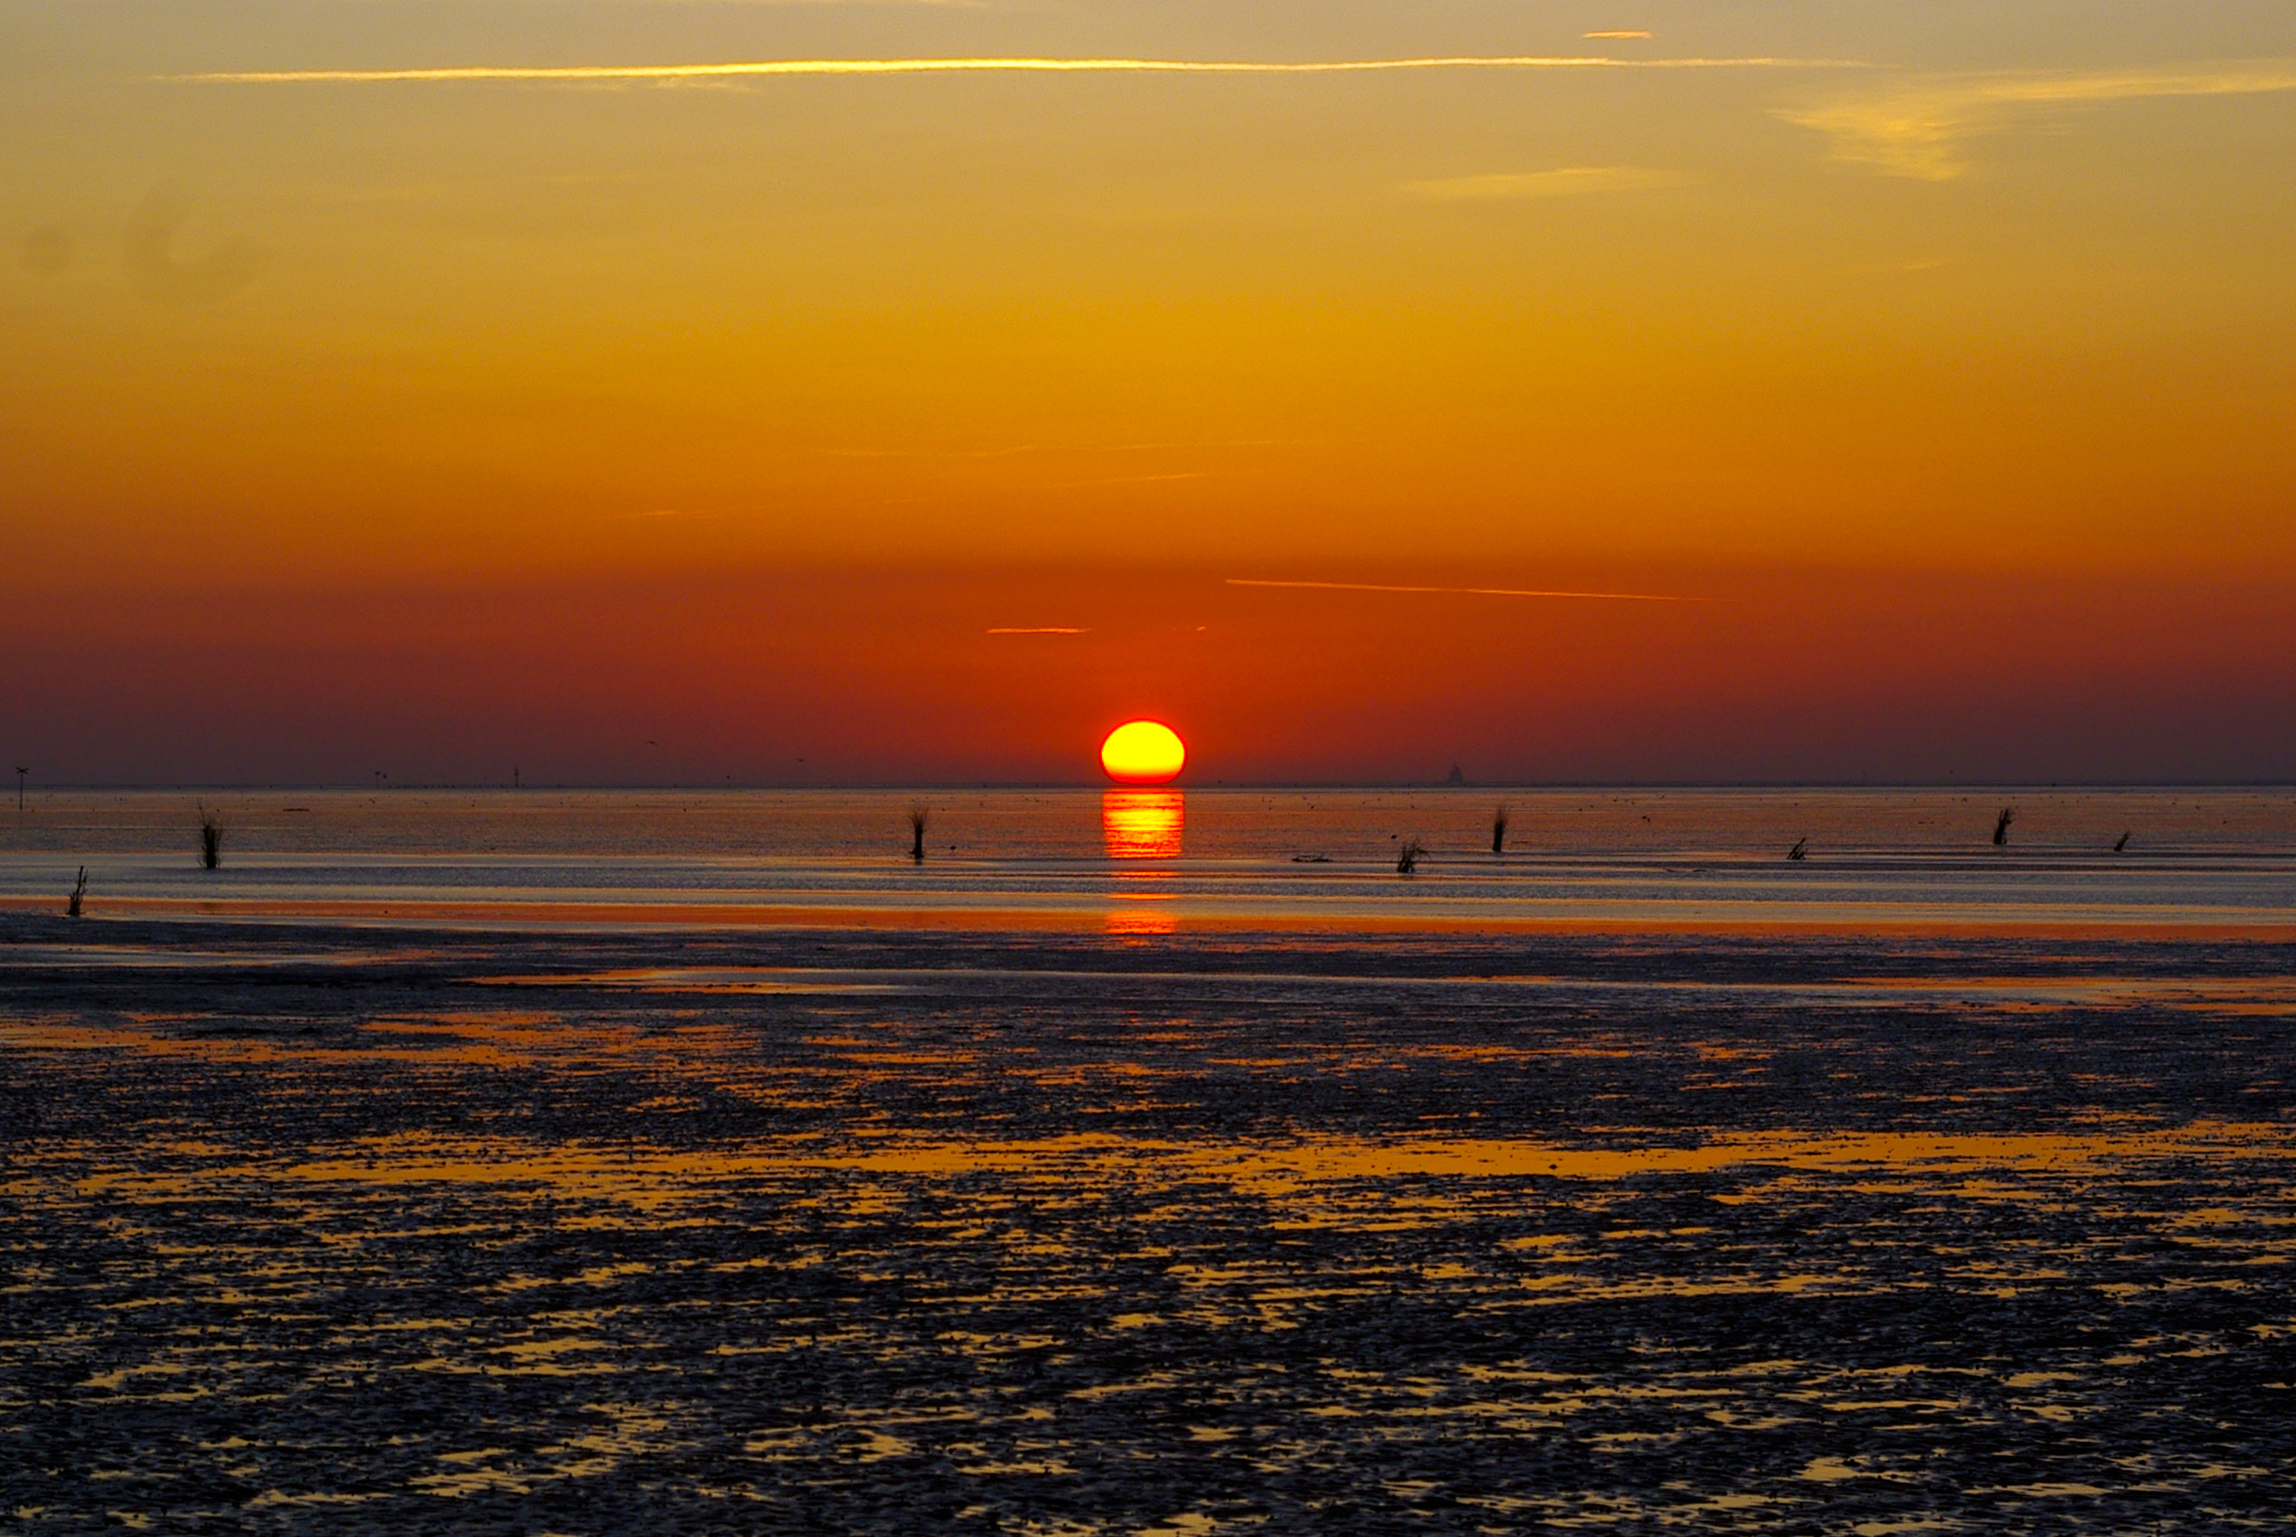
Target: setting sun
1143 752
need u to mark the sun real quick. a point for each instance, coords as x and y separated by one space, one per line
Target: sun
1143 752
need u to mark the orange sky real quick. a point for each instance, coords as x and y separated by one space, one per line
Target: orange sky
865 675
1944 351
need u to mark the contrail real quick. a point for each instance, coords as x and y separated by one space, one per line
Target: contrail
969 66
1479 592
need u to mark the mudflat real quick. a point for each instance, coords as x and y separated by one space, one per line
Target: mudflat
344 1227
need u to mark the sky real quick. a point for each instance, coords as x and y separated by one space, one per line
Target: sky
865 391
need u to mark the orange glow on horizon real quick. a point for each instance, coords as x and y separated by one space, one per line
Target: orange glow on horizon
1143 752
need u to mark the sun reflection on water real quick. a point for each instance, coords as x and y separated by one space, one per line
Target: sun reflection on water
1142 824
1141 920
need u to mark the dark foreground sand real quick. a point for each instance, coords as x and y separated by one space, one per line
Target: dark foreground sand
342 1230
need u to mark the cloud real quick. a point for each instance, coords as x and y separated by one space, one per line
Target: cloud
147 247
673 72
1037 629
1614 34
1568 181
1474 592
1130 480
1918 130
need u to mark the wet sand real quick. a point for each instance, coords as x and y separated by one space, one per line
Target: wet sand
586 1229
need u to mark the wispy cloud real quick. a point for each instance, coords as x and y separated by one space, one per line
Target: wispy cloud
671 72
1476 592
1038 629
1128 480
1918 130
1013 450
1620 33
1568 181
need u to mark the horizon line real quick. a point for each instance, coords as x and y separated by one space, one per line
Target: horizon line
899 786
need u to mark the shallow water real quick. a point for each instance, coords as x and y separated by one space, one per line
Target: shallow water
1145 861
1479 1201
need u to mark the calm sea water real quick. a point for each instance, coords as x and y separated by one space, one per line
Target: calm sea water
1703 856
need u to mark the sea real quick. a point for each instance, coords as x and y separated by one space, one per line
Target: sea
1149 1161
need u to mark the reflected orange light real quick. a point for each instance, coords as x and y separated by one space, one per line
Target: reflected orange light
1142 824
1143 752
1145 920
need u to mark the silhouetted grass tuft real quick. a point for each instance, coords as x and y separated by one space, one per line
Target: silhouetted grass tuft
2001 825
1499 830
1407 860
2120 843
210 839
79 890
919 818
1800 850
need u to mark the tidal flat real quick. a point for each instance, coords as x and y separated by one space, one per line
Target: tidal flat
598 1164
350 1229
